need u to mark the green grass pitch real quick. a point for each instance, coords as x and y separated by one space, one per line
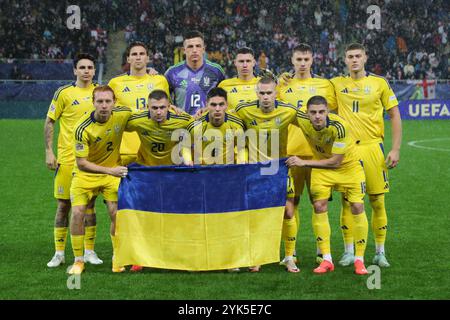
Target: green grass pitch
418 238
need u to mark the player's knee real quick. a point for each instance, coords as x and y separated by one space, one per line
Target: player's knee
377 202
320 206
357 208
78 213
63 207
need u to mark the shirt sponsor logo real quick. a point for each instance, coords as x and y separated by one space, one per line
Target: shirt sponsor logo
79 147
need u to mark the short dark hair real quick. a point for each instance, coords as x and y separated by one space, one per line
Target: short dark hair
245 50
302 47
136 44
103 88
158 95
82 56
194 34
316 100
355 46
216 92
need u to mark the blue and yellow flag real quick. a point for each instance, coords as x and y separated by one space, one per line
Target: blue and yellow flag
200 218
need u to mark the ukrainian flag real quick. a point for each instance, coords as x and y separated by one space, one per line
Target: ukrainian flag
200 218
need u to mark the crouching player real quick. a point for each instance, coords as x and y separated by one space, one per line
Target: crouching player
335 165
96 147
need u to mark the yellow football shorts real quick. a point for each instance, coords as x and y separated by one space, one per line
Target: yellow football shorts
290 188
348 180
375 167
301 176
86 186
126 159
62 181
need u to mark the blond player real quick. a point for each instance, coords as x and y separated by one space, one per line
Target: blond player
269 119
98 135
69 104
362 99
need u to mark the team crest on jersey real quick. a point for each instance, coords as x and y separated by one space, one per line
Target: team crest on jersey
206 81
229 135
367 89
312 90
60 190
150 86
117 128
278 121
79 147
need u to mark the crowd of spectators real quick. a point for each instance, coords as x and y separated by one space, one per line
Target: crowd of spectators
412 42
413 34
38 29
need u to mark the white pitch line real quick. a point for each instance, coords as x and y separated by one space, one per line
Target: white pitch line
415 144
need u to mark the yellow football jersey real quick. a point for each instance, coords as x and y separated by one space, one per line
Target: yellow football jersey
362 102
335 138
133 91
156 138
297 92
99 142
262 125
216 145
239 91
68 105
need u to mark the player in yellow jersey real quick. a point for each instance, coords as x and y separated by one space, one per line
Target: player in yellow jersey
69 103
132 90
243 87
98 135
155 128
216 133
335 164
267 121
362 98
296 90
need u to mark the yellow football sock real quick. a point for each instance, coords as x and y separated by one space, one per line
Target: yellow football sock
60 235
297 216
361 228
322 231
289 236
77 244
347 223
379 218
89 239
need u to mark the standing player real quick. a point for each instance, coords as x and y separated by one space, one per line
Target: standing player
335 163
243 87
362 98
271 117
191 80
132 90
69 103
297 90
98 135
